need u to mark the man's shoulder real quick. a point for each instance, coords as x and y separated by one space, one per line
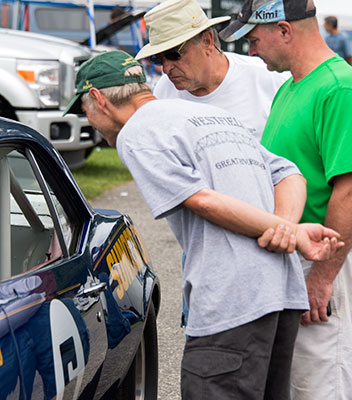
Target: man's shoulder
186 107
161 109
245 59
160 113
256 66
339 37
165 88
343 35
337 74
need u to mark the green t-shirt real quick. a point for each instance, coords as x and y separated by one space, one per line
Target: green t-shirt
311 124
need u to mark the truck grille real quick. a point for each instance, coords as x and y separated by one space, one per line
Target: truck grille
67 81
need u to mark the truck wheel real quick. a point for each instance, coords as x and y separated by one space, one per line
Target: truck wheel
141 381
6 110
88 152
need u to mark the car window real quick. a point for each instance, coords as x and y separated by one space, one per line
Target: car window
40 230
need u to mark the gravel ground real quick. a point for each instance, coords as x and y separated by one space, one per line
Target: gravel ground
166 257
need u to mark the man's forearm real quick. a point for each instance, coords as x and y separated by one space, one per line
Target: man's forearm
339 218
313 240
233 214
322 274
290 197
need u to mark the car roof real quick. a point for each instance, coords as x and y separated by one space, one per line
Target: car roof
13 130
13 133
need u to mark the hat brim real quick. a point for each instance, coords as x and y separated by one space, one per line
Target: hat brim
150 49
74 106
235 30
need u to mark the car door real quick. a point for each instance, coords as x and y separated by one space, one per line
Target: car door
53 338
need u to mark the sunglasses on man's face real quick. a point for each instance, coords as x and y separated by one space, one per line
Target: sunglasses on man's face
170 55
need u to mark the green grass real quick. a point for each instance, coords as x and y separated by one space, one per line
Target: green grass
103 170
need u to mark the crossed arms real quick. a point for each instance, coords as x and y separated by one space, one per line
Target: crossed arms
314 241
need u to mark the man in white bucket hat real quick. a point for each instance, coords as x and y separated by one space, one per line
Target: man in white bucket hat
184 41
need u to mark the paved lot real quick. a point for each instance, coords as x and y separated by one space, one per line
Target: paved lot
166 256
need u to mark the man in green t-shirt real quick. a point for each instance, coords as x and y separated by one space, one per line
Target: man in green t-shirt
311 124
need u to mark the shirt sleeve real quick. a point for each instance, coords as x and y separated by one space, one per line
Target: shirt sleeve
162 88
334 133
280 168
164 178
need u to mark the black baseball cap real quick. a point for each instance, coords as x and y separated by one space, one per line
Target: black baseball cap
265 12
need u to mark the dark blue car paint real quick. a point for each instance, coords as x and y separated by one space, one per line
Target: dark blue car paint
109 328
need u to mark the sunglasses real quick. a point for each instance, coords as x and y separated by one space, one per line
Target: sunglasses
170 55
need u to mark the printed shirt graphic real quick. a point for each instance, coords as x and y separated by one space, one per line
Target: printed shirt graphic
174 148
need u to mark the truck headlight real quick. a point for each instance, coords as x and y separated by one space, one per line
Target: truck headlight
43 78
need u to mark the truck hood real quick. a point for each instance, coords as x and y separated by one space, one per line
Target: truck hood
39 46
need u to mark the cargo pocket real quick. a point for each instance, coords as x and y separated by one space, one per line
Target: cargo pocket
209 374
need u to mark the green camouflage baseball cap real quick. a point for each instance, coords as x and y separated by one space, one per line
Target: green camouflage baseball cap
101 71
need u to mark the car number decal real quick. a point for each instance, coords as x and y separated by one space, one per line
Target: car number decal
124 262
67 349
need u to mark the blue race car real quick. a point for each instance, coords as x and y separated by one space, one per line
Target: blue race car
78 297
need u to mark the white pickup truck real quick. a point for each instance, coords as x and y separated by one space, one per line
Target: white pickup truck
37 77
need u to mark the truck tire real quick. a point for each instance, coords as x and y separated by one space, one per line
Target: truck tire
6 110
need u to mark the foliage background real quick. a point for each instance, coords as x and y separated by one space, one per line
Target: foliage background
103 170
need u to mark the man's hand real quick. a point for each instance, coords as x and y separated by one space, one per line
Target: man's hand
322 274
279 240
316 242
319 292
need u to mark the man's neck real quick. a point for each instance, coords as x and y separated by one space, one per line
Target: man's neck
216 72
308 57
141 98
334 32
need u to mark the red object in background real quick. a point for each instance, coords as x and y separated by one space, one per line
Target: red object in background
26 18
4 14
143 28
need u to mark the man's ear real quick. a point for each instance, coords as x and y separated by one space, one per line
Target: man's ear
98 97
285 29
207 39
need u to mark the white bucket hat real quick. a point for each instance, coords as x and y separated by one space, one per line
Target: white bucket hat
174 22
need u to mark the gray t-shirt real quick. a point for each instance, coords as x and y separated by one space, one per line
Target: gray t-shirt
175 148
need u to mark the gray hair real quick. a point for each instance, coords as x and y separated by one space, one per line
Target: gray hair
196 39
119 95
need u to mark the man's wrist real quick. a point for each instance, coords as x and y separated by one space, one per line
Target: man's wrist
323 271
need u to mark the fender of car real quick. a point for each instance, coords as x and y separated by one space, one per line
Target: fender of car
78 296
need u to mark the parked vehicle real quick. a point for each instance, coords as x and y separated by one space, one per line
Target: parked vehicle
37 80
78 297
70 20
